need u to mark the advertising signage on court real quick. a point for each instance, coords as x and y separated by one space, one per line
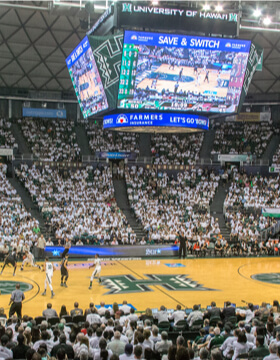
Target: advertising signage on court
134 14
156 122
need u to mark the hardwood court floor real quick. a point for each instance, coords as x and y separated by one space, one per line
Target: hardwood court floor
151 283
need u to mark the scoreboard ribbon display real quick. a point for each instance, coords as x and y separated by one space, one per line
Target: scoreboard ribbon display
156 122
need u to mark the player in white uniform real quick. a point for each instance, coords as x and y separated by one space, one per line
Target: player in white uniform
49 269
29 259
96 271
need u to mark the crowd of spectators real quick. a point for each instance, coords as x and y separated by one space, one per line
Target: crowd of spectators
166 205
100 140
242 138
247 227
17 227
176 149
79 206
53 140
7 139
252 192
276 157
117 332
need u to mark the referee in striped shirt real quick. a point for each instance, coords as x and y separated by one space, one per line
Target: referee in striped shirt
16 300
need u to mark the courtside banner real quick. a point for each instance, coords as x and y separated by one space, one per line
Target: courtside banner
126 121
44 113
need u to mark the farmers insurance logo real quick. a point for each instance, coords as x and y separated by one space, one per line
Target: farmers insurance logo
122 284
122 119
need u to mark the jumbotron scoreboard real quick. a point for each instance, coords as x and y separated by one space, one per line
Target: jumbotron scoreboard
161 81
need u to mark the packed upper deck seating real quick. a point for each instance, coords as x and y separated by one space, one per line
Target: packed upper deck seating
16 224
80 205
176 149
7 139
53 140
100 140
242 138
165 205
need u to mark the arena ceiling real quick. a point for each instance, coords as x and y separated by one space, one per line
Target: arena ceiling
37 36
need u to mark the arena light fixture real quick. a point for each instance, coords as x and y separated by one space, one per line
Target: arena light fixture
155 2
206 7
219 8
257 13
267 21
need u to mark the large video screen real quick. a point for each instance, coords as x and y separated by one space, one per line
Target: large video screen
184 73
86 79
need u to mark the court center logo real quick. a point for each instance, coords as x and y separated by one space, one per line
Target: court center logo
7 287
271 278
123 284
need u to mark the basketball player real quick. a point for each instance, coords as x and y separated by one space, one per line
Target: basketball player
64 271
180 74
12 260
49 269
67 247
29 259
206 76
96 271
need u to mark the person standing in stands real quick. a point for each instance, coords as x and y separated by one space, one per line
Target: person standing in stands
16 300
64 271
49 269
10 259
182 248
41 244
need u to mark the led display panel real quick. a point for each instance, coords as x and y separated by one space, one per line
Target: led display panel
86 80
181 73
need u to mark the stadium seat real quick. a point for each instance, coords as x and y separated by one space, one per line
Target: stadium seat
39 319
197 324
232 320
68 319
164 326
53 320
78 318
214 320
180 326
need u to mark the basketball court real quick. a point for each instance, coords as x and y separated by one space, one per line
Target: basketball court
151 283
190 80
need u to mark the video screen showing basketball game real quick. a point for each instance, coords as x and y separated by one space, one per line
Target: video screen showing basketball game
184 73
86 79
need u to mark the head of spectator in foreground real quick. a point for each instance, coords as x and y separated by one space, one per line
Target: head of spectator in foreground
180 341
138 352
148 312
195 307
203 354
259 340
182 354
273 348
217 331
61 354
128 349
162 308
117 335
76 305
216 355
164 336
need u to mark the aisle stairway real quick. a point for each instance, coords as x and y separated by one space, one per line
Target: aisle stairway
22 144
29 204
207 145
272 147
123 204
82 141
216 209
